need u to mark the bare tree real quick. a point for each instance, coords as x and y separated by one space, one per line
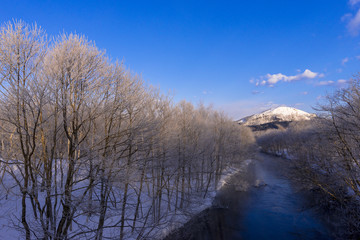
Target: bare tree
22 50
94 152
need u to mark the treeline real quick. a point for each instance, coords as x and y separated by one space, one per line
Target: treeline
89 151
325 154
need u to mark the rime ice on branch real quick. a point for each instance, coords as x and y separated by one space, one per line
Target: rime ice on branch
89 151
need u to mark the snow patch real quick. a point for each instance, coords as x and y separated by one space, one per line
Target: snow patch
277 114
230 171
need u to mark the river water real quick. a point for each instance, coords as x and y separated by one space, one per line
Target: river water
259 203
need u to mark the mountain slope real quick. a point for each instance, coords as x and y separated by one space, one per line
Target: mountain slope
277 115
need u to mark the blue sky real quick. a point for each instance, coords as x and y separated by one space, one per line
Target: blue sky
241 56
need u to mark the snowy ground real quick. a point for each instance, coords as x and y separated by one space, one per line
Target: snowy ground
10 209
180 219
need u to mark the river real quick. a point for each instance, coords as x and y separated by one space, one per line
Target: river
259 203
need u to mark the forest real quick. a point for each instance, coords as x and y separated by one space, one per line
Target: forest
89 150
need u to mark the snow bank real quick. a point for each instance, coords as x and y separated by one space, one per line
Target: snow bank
230 171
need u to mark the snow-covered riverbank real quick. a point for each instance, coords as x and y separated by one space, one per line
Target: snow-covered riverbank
212 199
268 203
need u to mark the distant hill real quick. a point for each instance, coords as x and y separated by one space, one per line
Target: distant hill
276 118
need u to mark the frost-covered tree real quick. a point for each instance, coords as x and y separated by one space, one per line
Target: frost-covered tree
23 96
89 151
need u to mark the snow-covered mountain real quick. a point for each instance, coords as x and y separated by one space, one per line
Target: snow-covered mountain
280 114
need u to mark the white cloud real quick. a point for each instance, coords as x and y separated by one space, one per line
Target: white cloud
309 74
325 83
354 24
256 92
272 79
342 81
346 17
339 83
354 2
344 61
353 20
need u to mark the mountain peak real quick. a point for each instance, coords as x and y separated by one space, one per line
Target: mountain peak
279 114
